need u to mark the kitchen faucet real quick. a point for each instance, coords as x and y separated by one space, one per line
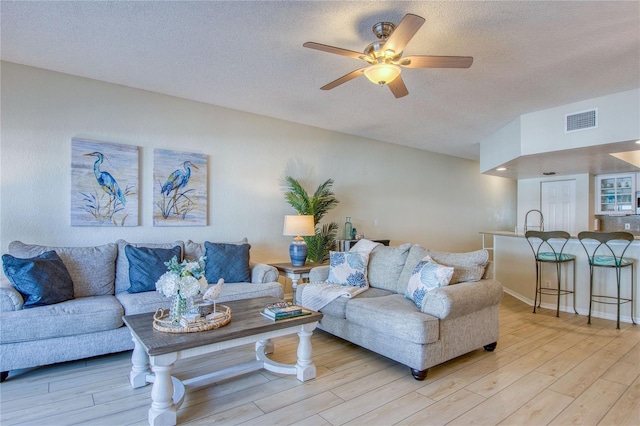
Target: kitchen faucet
526 223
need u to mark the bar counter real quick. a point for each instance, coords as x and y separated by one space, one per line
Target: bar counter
514 267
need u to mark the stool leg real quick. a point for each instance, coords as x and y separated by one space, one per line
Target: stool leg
618 272
574 287
535 298
590 292
632 302
559 273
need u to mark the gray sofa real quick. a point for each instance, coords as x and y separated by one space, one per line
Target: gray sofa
91 324
454 320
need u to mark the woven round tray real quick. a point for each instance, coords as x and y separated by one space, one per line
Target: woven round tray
161 321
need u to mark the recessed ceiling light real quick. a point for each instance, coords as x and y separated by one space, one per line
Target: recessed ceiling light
501 169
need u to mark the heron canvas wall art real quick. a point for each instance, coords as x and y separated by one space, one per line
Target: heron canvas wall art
104 184
179 189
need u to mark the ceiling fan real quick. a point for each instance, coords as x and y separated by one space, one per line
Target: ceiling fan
385 56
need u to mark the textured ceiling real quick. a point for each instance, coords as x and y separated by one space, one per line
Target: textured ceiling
528 56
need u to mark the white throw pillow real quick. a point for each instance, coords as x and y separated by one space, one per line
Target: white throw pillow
427 276
348 268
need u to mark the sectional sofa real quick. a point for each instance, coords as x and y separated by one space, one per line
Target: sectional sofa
90 323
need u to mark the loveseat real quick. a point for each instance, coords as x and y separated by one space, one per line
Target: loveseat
453 320
90 323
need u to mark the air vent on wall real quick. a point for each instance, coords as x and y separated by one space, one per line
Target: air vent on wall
583 120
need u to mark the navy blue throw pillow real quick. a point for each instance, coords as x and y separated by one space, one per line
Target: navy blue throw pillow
227 261
41 280
146 265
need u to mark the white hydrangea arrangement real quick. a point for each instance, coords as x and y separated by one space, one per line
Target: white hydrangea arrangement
185 279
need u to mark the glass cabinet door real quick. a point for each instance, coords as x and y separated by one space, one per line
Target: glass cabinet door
616 194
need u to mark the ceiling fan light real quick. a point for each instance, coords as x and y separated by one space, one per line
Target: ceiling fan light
382 73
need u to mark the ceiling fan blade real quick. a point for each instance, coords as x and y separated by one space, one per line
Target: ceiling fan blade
336 50
398 87
403 33
343 79
420 61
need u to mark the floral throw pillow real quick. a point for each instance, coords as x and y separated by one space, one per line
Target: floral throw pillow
427 276
348 268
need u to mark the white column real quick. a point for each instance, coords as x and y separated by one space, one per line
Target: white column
304 367
139 365
163 410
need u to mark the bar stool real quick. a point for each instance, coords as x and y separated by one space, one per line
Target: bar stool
613 257
548 247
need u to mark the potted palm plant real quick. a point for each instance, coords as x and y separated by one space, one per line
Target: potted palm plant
322 200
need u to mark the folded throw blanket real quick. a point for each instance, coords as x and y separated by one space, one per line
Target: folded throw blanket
317 295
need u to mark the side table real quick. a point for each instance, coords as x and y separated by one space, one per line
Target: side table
295 273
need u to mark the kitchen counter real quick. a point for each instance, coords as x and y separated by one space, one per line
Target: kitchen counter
514 267
521 234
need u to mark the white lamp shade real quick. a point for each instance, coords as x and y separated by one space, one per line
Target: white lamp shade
382 73
299 226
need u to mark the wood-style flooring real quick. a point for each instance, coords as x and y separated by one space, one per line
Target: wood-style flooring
545 370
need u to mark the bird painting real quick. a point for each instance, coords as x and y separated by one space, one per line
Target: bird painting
105 180
104 183
177 181
180 188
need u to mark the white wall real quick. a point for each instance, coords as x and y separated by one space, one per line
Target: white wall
501 147
439 201
543 131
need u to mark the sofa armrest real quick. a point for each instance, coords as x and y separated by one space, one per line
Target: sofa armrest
319 274
10 298
461 299
263 273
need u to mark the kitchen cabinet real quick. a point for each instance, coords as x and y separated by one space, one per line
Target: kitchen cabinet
615 194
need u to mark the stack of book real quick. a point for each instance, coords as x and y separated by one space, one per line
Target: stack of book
283 310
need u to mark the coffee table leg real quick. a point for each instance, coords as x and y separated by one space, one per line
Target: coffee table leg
167 392
139 365
305 370
264 346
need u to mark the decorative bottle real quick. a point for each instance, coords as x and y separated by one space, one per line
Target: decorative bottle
348 228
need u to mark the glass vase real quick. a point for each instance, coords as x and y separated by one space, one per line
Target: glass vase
348 229
179 308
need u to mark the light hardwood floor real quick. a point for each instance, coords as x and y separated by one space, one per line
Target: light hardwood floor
545 370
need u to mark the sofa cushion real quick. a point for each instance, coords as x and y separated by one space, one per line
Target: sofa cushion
467 266
428 275
394 315
41 280
141 303
227 261
150 301
77 316
92 269
385 266
338 307
348 268
194 251
122 263
146 265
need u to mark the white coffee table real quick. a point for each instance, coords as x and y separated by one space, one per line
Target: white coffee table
155 352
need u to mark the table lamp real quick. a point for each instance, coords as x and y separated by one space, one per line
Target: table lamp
298 226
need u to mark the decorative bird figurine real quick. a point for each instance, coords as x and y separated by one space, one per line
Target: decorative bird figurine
105 180
176 180
214 291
